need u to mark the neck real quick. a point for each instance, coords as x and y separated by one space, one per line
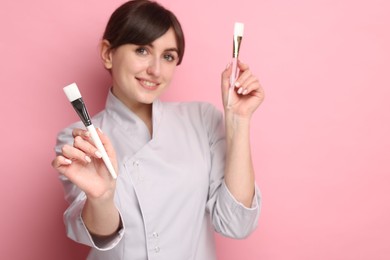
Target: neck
143 111
145 114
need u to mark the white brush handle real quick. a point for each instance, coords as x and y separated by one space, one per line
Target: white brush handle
100 147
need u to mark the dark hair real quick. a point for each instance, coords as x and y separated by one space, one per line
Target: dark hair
141 22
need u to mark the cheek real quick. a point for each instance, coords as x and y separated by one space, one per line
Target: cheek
128 64
137 66
169 72
125 70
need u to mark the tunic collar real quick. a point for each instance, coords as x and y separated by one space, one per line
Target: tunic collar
128 120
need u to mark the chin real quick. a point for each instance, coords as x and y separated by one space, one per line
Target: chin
148 100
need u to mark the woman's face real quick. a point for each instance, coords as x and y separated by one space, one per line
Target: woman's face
141 73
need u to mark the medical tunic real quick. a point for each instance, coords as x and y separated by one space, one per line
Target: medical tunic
170 190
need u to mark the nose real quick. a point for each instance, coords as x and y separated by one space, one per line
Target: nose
154 67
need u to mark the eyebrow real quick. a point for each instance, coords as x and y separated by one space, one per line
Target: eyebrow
173 49
169 49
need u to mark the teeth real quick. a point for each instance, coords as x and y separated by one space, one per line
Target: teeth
149 84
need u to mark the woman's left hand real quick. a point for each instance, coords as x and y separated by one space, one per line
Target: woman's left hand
247 94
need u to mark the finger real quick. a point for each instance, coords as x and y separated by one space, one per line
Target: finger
81 132
244 76
61 164
255 89
60 161
244 73
225 78
74 153
250 84
242 66
87 147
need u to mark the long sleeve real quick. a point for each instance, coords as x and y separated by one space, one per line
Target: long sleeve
229 217
75 227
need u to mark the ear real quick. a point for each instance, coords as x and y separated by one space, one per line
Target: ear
106 54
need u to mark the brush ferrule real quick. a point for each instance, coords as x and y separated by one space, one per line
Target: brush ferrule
236 45
81 110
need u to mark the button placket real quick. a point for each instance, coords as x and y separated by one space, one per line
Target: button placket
155 237
138 173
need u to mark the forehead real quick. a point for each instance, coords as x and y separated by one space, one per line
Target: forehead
167 41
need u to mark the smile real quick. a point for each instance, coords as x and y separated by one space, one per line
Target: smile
148 84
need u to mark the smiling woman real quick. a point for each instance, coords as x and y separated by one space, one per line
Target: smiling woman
183 170
320 144
141 73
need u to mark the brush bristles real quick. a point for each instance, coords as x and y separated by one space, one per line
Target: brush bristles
72 92
238 29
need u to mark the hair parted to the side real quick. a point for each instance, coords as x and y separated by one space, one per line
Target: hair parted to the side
141 22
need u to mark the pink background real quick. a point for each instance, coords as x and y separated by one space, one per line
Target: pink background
321 140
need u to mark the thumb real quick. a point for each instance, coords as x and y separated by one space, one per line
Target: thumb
225 77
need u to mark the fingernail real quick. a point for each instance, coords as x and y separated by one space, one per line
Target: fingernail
86 133
68 161
88 159
245 92
98 154
100 130
228 65
237 84
239 91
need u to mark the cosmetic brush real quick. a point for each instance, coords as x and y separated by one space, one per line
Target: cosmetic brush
237 38
73 94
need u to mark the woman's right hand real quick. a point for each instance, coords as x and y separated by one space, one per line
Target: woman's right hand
83 166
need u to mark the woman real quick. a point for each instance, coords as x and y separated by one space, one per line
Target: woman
184 170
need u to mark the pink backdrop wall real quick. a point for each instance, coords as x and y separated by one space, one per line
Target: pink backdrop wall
321 140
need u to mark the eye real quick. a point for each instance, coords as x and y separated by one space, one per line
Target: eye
141 51
169 57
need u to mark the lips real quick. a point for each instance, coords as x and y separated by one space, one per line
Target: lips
150 85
